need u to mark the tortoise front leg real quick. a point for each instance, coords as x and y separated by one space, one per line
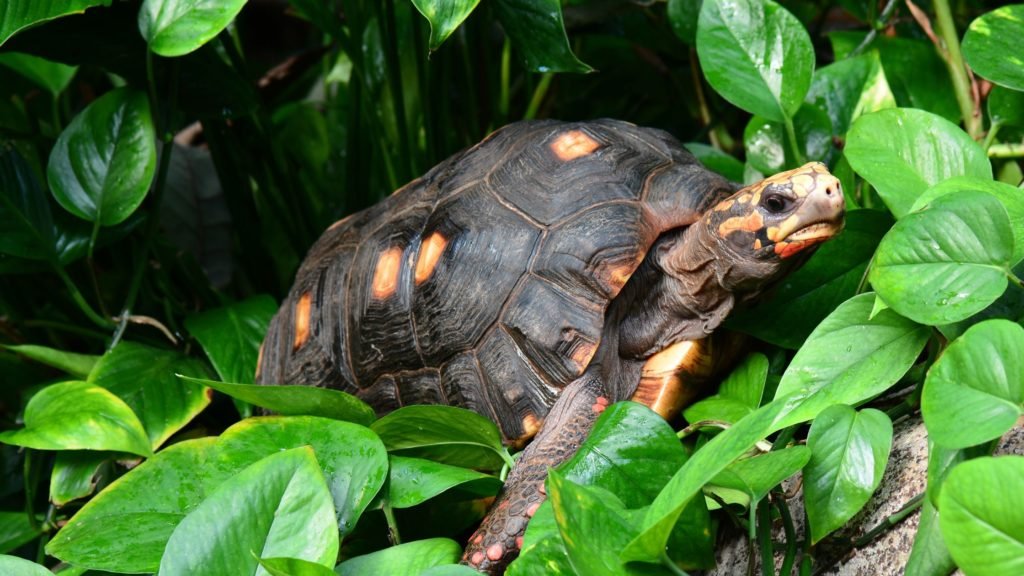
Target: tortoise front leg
500 536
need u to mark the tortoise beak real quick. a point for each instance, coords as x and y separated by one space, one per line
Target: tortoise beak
819 218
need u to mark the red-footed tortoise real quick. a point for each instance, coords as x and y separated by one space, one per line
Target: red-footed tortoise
537 277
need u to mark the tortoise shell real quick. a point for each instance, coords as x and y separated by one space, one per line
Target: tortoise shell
485 283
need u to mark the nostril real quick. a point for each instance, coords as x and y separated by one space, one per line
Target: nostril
829 191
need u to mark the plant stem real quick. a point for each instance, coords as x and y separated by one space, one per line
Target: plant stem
790 530
538 95
506 74
990 137
670 565
764 537
798 154
702 424
389 515
80 300
1006 150
875 26
958 72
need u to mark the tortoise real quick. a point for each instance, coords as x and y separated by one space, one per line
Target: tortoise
535 278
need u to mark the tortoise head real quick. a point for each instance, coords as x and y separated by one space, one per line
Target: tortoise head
765 229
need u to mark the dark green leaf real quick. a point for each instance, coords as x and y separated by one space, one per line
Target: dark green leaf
683 15
412 481
982 516
803 299
992 46
443 433
755 54
717 161
76 365
849 450
74 475
757 475
767 146
543 551
444 17
975 391
296 400
902 152
14 566
15 16
79 416
294 567
15 531
929 554
849 358
177 27
278 507
537 31
849 88
408 559
51 76
145 378
102 164
1006 106
25 218
738 395
946 262
231 336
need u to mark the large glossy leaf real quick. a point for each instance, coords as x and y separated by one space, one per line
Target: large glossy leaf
849 358
1006 107
717 161
408 559
849 450
278 507
18 14
16 530
975 391
982 516
738 395
767 146
79 416
832 275
412 481
946 262
683 15
26 224
294 567
445 434
755 54
902 152
296 400
103 162
51 76
850 88
444 17
543 551
74 474
1010 196
231 336
14 566
537 31
992 46
145 378
929 554
177 27
77 365
757 475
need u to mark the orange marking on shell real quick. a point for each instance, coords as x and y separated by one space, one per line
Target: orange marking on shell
302 308
573 144
531 424
259 360
495 552
582 354
477 558
385 275
750 223
430 254
532 509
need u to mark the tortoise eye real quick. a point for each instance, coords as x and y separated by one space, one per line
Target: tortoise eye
776 203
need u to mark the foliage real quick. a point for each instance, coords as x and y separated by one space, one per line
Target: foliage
165 164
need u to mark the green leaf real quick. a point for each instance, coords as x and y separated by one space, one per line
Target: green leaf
982 516
850 88
443 433
1006 106
410 558
231 336
975 391
14 566
738 395
296 400
537 31
294 567
77 365
101 167
25 218
1010 196
412 481
145 378
682 16
756 55
946 262
74 475
79 416
903 151
16 531
757 475
992 46
929 554
450 570
445 16
279 506
177 27
717 161
803 299
543 551
767 146
17 15
849 451
849 358
53 77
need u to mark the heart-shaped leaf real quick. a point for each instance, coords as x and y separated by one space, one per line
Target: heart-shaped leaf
717 161
756 55
537 30
757 475
51 76
294 567
903 151
767 146
850 88
946 262
683 15
445 16
975 391
407 558
16 16
76 365
593 523
15 566
738 395
177 27
231 336
445 434
982 515
412 481
79 416
25 217
278 507
74 474
990 43
849 450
